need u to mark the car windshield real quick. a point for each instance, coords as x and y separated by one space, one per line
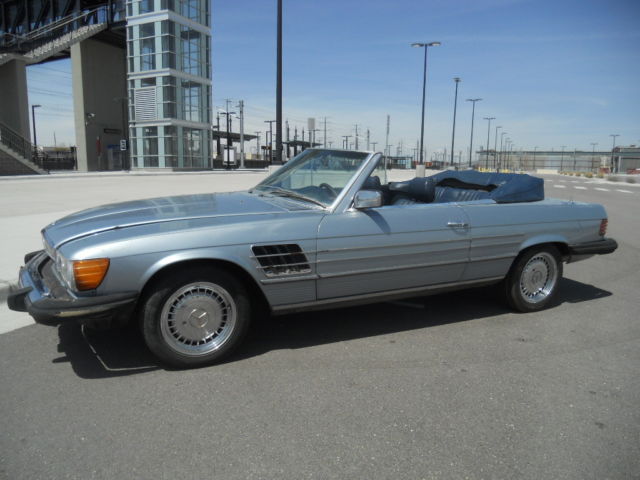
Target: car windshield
315 176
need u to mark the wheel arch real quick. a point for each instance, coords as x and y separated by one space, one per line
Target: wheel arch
166 268
557 241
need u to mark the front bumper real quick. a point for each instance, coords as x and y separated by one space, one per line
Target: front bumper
48 301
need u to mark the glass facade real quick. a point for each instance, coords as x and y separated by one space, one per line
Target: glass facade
169 83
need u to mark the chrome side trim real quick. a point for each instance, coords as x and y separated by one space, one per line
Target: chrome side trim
269 281
380 296
389 269
330 260
493 257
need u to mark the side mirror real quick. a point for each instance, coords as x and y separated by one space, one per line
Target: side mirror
367 199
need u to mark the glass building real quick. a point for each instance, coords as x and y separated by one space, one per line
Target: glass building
169 83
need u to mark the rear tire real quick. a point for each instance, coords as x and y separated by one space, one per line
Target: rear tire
532 283
195 317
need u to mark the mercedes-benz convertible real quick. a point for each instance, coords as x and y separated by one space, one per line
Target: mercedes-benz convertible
323 231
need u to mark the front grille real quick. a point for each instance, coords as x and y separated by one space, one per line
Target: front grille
276 260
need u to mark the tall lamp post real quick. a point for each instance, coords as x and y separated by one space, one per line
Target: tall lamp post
501 148
455 106
33 121
614 135
473 114
495 146
593 152
424 90
488 132
279 88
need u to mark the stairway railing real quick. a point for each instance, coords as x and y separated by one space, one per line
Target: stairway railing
23 147
110 13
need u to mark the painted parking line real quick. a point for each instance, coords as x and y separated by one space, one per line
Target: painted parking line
602 189
623 191
559 186
580 188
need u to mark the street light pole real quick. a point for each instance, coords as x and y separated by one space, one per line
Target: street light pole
279 89
488 132
455 105
501 148
495 146
33 120
424 89
614 135
473 114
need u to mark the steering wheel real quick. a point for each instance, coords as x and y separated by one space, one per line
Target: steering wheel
328 188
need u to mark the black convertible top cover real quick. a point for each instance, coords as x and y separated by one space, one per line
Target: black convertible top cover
501 187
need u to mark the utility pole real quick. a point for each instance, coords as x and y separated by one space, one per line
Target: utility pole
324 141
614 135
258 144
279 89
562 156
368 139
288 152
374 145
241 108
346 141
270 149
386 142
593 153
455 106
356 136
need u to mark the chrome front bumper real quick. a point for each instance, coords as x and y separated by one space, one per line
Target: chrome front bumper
49 302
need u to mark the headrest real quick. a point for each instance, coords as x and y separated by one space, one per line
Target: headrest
372 183
422 189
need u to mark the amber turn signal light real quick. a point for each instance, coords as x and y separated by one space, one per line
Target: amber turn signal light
89 274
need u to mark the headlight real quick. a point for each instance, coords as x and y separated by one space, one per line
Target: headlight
81 275
65 269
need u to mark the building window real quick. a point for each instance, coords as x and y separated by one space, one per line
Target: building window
192 148
191 106
190 41
150 146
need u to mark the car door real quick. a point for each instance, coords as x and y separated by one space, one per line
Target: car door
496 231
390 248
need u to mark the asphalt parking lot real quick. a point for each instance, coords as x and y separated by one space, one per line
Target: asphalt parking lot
449 386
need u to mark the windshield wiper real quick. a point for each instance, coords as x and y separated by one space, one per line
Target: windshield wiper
283 192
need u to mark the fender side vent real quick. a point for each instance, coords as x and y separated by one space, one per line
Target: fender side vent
276 260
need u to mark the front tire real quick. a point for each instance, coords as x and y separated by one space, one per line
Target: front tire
532 282
195 317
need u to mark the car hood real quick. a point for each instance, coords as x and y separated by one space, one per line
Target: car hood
156 210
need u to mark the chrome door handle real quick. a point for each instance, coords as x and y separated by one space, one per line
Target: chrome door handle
457 224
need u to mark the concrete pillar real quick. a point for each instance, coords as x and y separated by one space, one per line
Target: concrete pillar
99 84
14 100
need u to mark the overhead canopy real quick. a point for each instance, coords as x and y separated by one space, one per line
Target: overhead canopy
235 137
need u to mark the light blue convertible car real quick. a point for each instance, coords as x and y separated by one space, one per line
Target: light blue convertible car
323 231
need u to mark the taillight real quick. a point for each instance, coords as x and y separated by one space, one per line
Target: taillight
603 227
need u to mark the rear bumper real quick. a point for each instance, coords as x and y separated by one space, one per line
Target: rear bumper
599 247
48 301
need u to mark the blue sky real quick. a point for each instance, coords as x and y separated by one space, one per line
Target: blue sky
552 72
